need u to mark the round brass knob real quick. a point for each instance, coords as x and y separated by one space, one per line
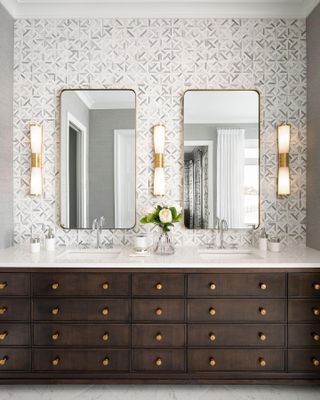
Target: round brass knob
3 310
212 311
316 311
159 286
159 311
3 335
105 311
158 337
55 361
316 286
55 311
315 362
158 362
316 337
212 286
262 337
105 337
55 286
3 360
212 337
55 336
105 285
212 361
263 311
262 362
106 361
263 286
3 285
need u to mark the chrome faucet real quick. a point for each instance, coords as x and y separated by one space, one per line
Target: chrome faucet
97 226
223 227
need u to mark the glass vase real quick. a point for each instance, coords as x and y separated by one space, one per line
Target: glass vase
164 244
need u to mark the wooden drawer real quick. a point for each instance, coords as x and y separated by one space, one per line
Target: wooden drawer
264 285
81 309
304 310
231 335
158 285
81 360
81 284
158 360
246 310
14 359
14 309
304 335
307 360
14 284
158 309
14 334
164 335
304 285
106 335
236 360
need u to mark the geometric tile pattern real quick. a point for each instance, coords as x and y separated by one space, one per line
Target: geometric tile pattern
160 59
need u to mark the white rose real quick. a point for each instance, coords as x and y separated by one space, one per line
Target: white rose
165 216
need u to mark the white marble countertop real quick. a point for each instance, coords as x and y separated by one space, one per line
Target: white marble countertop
184 257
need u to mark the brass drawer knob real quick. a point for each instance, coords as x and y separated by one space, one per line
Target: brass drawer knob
262 362
158 362
3 285
3 360
316 337
158 337
106 361
159 286
262 337
55 336
212 286
159 311
3 310
212 361
3 335
55 361
212 311
105 311
316 311
105 285
263 286
105 337
55 286
262 311
55 311
316 286
212 337
315 362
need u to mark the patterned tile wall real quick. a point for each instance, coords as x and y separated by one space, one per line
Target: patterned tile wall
160 59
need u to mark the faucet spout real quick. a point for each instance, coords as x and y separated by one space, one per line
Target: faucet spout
223 227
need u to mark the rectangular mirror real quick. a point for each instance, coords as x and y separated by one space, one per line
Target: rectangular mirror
98 143
221 158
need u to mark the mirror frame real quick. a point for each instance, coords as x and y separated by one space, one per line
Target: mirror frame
259 146
60 154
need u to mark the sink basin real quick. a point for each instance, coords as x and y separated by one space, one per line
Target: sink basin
89 255
228 255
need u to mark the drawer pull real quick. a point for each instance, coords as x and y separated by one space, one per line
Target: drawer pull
3 310
316 311
262 337
105 337
263 286
159 311
316 286
3 285
105 311
106 361
105 285
159 286
55 286
315 362
212 286
55 311
316 337
158 337
212 337
158 362
212 311
3 335
55 336
55 361
3 360
212 362
262 311
262 362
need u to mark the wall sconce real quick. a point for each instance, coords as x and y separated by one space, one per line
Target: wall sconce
284 132
159 179
36 159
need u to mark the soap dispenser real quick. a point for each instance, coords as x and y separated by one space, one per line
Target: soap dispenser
50 240
263 240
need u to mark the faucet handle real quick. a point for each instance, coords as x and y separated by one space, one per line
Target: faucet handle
224 225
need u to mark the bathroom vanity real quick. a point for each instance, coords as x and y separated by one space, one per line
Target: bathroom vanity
160 320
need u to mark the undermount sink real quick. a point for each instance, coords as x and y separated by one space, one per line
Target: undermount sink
89 255
228 254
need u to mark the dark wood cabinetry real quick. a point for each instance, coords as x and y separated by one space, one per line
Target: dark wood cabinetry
160 326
